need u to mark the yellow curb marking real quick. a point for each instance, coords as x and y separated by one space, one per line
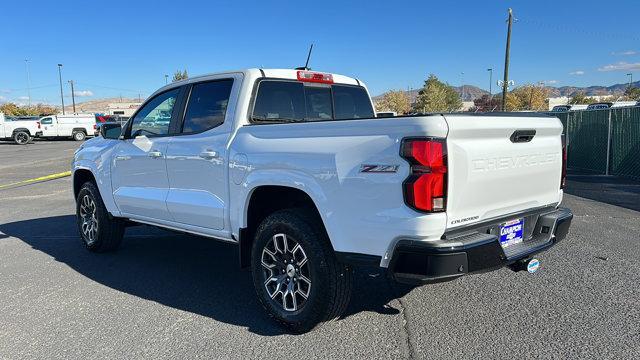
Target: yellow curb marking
42 178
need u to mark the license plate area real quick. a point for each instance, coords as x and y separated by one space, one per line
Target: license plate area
511 232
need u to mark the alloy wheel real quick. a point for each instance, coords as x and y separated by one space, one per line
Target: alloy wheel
89 219
285 268
22 138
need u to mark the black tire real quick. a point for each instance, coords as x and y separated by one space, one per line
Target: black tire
329 289
79 135
21 137
108 232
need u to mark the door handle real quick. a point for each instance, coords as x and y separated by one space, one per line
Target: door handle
154 154
209 154
122 158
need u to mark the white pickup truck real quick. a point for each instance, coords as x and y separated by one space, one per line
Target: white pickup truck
294 168
20 131
76 126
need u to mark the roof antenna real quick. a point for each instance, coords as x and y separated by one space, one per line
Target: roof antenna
306 65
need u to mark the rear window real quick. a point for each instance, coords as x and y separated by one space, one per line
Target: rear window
297 102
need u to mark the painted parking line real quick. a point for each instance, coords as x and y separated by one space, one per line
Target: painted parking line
38 179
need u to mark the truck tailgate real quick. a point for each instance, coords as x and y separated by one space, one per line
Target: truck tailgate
494 171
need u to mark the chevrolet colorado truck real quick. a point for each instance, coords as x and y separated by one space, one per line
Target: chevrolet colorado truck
294 168
19 131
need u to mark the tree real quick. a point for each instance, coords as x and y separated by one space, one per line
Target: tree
436 96
486 103
180 75
580 98
397 101
11 109
632 93
527 97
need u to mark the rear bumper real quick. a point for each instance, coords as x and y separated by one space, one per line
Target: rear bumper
475 250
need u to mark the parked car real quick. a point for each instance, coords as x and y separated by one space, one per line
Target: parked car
569 107
295 169
599 106
618 104
77 126
21 132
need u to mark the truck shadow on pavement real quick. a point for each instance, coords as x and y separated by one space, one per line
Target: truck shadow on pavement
185 272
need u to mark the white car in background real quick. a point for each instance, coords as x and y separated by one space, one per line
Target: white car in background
20 131
76 126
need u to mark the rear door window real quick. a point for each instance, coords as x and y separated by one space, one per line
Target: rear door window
292 101
207 105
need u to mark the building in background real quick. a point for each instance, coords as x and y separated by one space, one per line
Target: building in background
124 109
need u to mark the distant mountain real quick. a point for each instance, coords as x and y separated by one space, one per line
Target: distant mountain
97 105
473 92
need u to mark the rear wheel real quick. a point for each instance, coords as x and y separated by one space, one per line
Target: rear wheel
99 232
21 137
79 136
296 275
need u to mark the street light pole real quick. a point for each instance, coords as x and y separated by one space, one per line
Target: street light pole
26 64
61 94
490 70
506 60
73 96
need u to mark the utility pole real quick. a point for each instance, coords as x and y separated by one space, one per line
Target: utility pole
630 75
73 96
506 60
490 70
462 85
166 79
61 94
26 64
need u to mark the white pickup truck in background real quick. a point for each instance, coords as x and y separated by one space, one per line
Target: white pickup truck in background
76 126
294 168
19 131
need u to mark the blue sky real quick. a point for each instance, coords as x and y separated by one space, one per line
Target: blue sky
113 48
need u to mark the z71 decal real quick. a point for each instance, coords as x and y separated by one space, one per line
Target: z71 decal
379 168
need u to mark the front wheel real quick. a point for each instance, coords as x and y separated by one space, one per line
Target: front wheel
296 274
99 232
21 137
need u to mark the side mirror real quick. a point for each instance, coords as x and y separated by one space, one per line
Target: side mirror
110 131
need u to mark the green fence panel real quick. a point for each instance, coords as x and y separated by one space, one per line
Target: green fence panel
587 133
625 142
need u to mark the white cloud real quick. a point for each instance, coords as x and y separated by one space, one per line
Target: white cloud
5 91
625 53
23 98
620 66
577 72
81 93
2 98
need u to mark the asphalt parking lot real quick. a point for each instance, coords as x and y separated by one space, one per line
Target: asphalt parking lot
163 295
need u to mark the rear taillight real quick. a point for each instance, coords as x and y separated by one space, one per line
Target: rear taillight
95 126
38 122
315 77
426 187
563 179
